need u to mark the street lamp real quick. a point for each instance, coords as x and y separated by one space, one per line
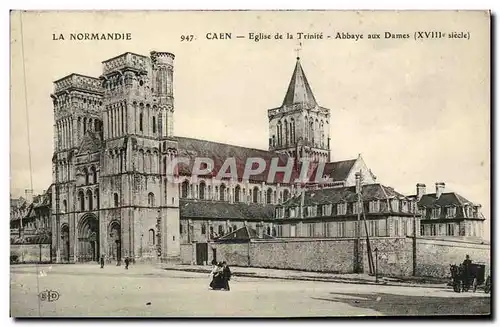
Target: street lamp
376 265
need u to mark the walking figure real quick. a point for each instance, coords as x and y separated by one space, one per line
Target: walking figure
127 261
102 261
226 275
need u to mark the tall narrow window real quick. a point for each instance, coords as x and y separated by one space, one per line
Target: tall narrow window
81 199
152 237
202 190
154 124
222 191
269 194
90 199
184 189
140 121
151 199
115 198
255 194
237 193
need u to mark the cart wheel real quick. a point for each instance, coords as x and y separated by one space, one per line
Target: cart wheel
487 289
456 287
474 285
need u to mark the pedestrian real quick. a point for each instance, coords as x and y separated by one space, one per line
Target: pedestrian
226 275
102 261
127 261
216 274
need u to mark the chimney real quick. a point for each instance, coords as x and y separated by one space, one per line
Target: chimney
358 183
420 190
439 189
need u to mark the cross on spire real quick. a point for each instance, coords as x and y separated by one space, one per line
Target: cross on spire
298 49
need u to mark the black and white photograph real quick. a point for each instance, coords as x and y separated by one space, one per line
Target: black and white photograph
285 164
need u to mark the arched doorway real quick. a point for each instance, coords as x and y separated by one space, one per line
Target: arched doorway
114 241
88 238
65 242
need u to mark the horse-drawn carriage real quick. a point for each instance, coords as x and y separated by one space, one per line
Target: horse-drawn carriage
465 277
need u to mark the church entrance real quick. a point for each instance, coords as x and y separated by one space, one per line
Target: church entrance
65 243
88 239
114 242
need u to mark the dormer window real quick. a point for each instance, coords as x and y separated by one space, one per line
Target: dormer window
341 208
374 206
451 212
436 212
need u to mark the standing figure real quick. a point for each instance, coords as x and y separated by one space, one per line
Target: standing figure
102 261
216 273
127 261
226 275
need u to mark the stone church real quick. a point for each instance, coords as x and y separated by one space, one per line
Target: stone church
113 136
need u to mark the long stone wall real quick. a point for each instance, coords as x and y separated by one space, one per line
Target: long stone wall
395 255
434 256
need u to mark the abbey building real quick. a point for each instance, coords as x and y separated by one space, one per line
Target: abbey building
111 195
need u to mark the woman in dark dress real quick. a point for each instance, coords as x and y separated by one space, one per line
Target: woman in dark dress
217 277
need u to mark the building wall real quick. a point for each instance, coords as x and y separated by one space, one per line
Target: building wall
233 254
435 256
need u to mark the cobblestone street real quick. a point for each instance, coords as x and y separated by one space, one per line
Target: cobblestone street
87 290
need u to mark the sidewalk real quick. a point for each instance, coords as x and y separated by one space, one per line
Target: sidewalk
314 276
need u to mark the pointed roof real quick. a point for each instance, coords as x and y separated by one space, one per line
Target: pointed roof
299 90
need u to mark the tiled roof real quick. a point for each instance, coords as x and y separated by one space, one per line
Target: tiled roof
225 210
299 91
337 170
243 234
344 194
220 152
445 200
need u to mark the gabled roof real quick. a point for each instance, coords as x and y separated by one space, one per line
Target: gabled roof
299 91
244 234
369 192
91 143
225 210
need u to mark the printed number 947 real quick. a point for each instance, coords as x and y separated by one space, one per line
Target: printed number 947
187 38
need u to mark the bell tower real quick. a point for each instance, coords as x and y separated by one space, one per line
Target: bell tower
300 127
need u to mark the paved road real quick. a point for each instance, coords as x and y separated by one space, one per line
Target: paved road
87 290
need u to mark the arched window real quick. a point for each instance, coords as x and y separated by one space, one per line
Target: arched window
222 190
269 194
237 193
184 189
152 236
140 121
115 199
151 199
84 125
93 172
154 124
81 200
268 230
255 194
65 206
286 132
202 190
86 173
90 199
221 230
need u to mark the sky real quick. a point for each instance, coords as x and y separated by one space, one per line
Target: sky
418 111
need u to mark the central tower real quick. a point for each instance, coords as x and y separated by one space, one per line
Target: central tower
300 127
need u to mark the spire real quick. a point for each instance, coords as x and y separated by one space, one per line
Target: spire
299 90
